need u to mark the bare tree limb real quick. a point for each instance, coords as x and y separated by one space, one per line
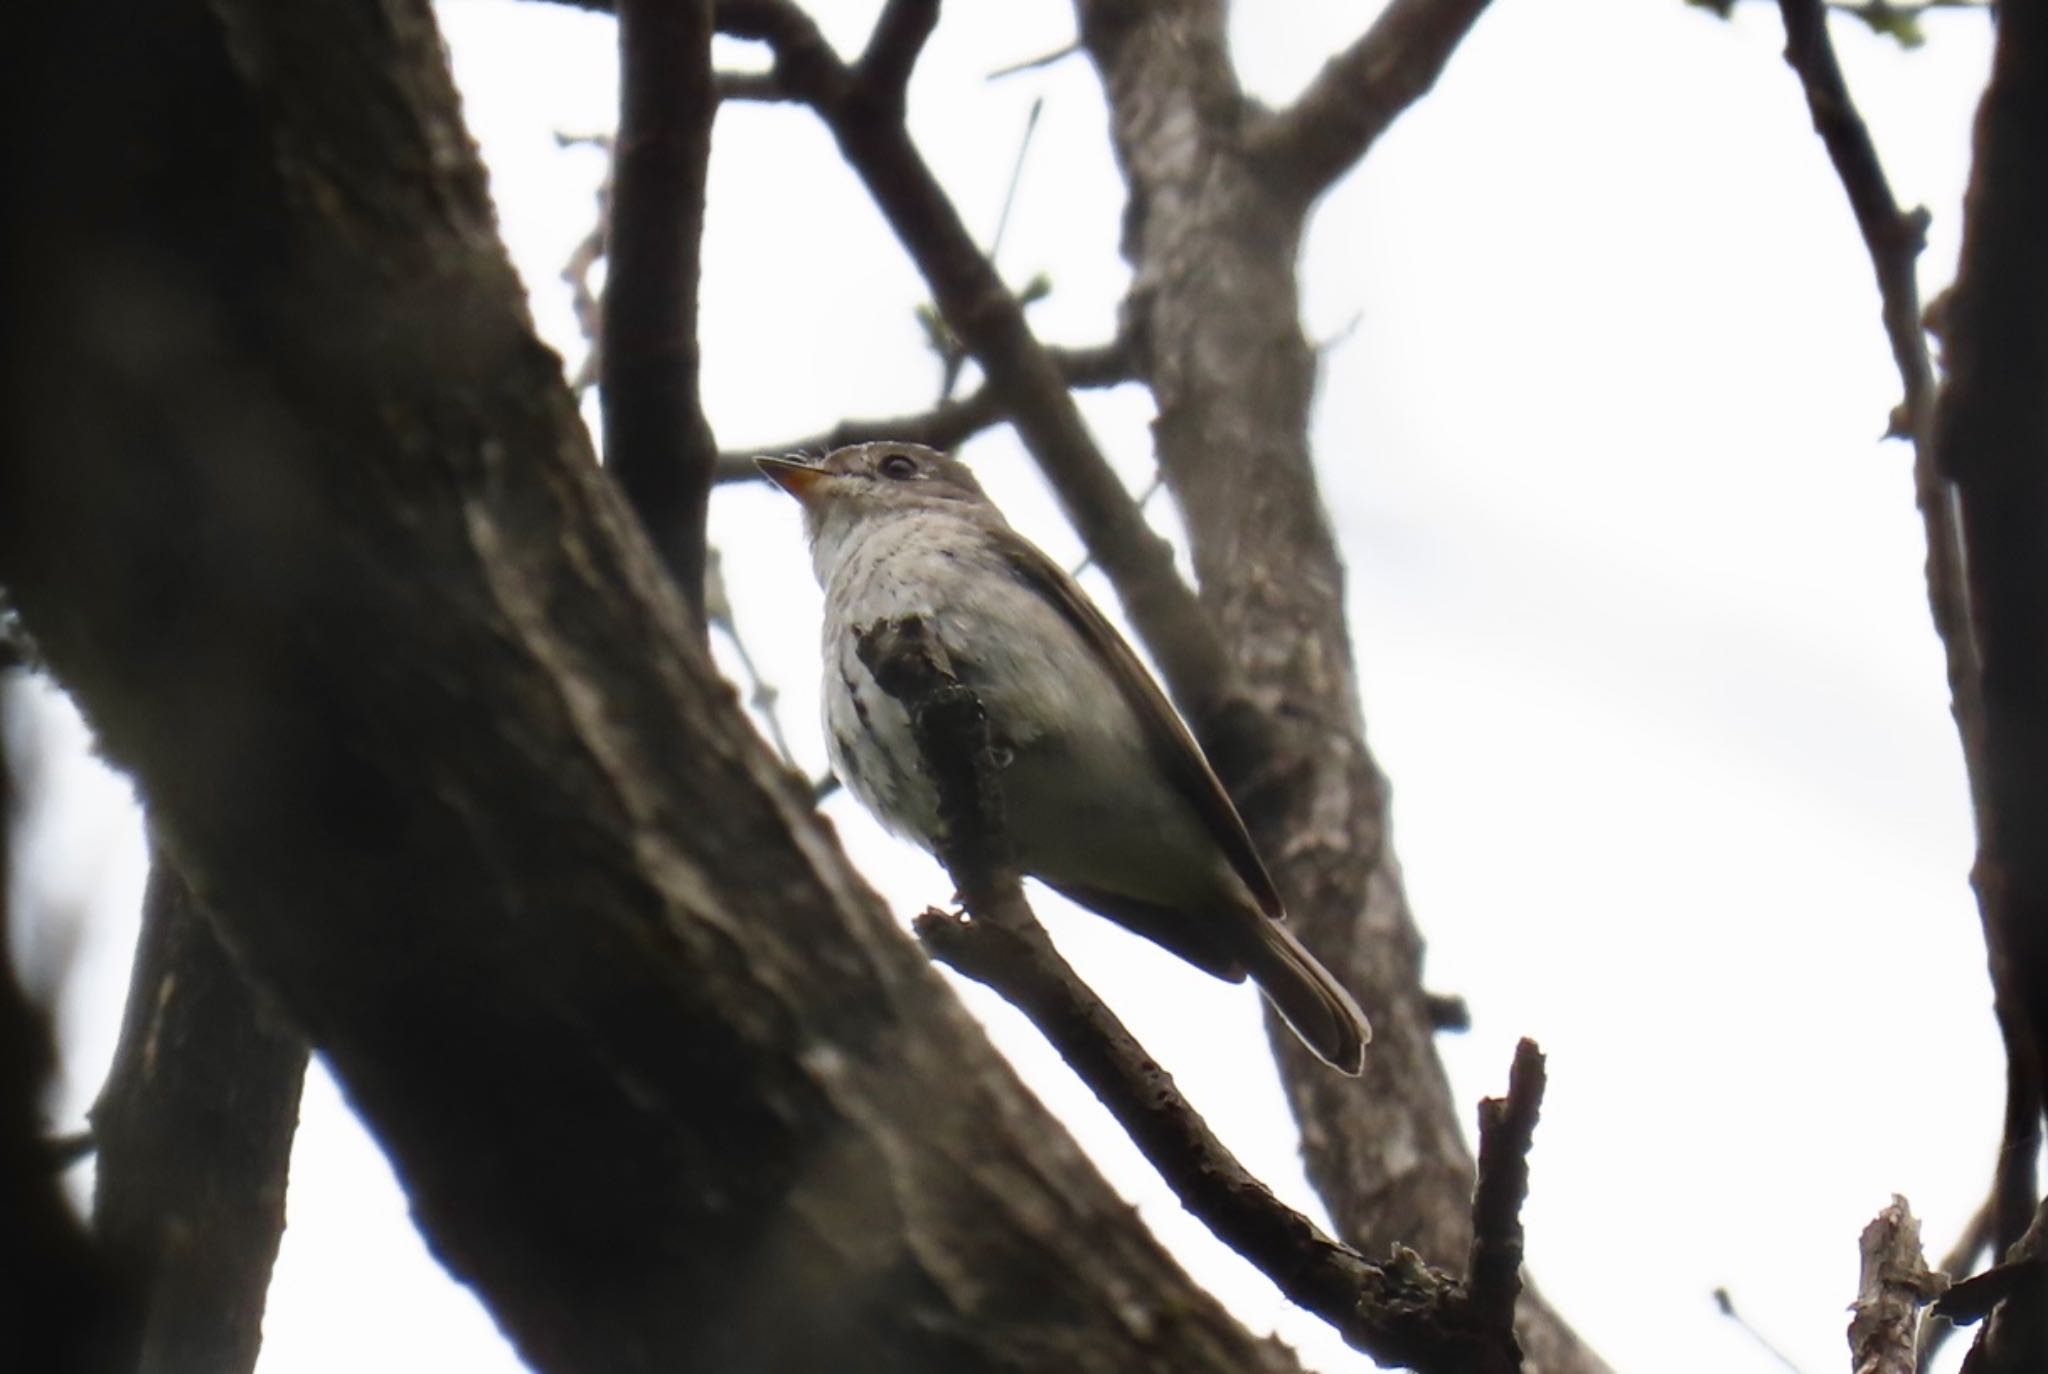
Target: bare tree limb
1025 377
1402 1312
893 48
1359 93
1893 1284
657 442
1990 442
2011 1299
947 425
194 1130
1894 239
1215 303
1893 236
1507 1128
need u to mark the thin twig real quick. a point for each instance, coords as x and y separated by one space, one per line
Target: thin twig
948 425
956 355
1725 1303
1059 54
584 300
762 694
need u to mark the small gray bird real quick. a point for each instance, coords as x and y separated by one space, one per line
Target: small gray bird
1107 797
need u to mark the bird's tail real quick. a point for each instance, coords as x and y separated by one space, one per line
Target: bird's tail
1314 1004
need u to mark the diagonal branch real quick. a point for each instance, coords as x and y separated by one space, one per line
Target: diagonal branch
1402 1312
657 442
948 424
1360 93
893 48
1022 372
195 1130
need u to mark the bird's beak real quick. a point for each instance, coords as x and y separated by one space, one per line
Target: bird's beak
800 480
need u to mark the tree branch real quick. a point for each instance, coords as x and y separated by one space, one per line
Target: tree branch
1360 93
310 528
657 442
950 423
1023 375
1213 245
1893 1284
893 49
1894 239
2011 1299
1507 1128
194 1130
1402 1312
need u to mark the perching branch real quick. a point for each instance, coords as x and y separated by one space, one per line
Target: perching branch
947 425
657 442
1401 1312
1360 92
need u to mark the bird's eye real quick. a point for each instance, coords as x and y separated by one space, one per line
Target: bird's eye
898 467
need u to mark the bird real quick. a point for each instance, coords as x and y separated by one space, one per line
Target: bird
1107 797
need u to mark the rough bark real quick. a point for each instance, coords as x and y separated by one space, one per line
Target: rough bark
1213 235
304 518
1892 1283
1991 442
194 1133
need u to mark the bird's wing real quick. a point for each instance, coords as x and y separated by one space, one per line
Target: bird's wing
1165 734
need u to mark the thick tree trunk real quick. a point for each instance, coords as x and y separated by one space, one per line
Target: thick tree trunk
1213 234
304 517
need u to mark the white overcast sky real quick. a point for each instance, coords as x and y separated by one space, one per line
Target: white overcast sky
1635 587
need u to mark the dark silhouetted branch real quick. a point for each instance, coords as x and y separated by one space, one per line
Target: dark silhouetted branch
194 1130
893 47
1401 1312
1360 92
1893 236
1507 1128
2011 1299
656 440
1994 672
1990 441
